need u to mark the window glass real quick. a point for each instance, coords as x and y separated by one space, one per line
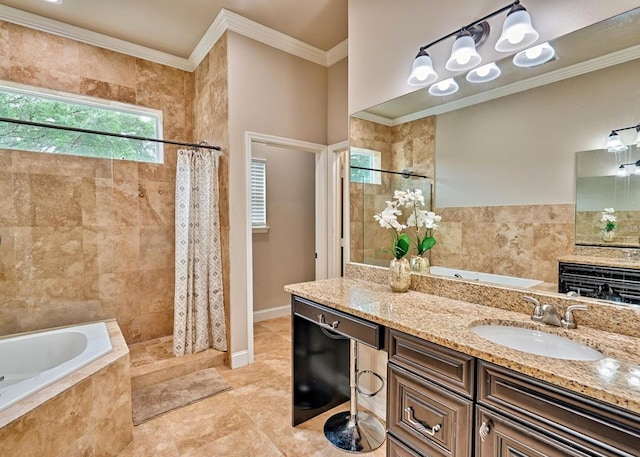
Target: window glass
82 112
365 158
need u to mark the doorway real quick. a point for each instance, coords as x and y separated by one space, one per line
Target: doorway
262 142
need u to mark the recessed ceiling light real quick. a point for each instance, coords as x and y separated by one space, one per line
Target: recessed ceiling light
54 2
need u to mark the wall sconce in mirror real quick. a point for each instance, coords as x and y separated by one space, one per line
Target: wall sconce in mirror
517 33
534 56
484 74
444 87
615 143
623 172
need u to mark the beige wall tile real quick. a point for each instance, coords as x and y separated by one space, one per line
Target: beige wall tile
47 201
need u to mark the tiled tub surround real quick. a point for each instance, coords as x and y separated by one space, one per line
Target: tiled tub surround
87 239
589 228
85 413
447 322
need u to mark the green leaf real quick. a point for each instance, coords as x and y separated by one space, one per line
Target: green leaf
401 246
426 244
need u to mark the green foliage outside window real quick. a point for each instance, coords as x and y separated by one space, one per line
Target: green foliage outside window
69 114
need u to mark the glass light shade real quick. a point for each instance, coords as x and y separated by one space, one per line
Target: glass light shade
445 87
422 71
622 172
483 74
615 144
637 140
536 55
637 171
463 54
517 31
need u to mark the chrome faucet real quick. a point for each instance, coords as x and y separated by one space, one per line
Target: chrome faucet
537 311
568 320
550 316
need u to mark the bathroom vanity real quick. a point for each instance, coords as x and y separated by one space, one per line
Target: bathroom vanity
453 393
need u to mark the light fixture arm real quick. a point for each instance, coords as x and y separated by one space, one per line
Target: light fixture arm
476 22
634 127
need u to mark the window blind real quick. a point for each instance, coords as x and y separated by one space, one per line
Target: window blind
258 192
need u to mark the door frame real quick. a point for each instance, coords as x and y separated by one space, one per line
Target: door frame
335 206
321 152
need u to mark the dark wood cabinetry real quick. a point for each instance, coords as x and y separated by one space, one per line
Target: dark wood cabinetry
445 403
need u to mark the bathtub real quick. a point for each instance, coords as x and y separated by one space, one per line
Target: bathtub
503 280
30 362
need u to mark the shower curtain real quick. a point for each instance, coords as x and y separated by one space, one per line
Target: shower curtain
199 320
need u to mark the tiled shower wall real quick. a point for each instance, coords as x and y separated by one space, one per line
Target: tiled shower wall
82 238
211 123
406 146
523 240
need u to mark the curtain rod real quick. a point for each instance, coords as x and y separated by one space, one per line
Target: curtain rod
98 132
403 173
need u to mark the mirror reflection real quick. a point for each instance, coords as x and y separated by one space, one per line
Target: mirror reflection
608 198
504 169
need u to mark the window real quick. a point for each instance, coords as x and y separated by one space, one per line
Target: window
365 158
19 102
259 194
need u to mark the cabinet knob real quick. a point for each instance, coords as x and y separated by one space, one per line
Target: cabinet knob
484 430
416 424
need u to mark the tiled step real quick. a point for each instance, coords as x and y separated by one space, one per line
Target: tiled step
174 367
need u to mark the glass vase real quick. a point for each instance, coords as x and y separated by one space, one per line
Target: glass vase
399 275
419 264
609 236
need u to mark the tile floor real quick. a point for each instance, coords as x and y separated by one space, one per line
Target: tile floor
251 419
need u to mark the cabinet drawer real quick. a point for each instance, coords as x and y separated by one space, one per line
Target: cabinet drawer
445 366
352 327
428 417
506 438
574 418
396 448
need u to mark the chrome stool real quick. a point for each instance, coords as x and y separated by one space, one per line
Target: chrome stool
350 430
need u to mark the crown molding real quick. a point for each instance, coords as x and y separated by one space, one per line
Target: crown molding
33 21
378 119
337 53
224 21
598 63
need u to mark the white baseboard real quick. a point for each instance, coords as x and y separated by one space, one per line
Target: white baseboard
271 313
239 359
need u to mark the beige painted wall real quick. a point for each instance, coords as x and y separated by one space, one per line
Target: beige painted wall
395 31
275 93
337 102
520 149
285 254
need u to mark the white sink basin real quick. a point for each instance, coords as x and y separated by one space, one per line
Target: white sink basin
538 343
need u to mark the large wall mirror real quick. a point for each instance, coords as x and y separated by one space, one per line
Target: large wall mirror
502 156
608 198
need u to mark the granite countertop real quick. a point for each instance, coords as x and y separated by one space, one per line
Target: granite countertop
633 262
614 380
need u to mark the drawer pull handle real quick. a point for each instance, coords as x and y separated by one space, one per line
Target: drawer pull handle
418 425
484 430
323 323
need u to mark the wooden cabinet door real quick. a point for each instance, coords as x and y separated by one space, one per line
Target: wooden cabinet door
497 436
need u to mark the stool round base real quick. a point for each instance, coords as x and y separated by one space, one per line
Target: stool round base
364 434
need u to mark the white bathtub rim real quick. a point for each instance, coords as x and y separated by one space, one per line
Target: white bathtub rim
98 344
120 350
501 280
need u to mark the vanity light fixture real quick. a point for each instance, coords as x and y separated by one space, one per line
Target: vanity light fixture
483 74
517 33
534 56
614 142
444 87
463 53
623 172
